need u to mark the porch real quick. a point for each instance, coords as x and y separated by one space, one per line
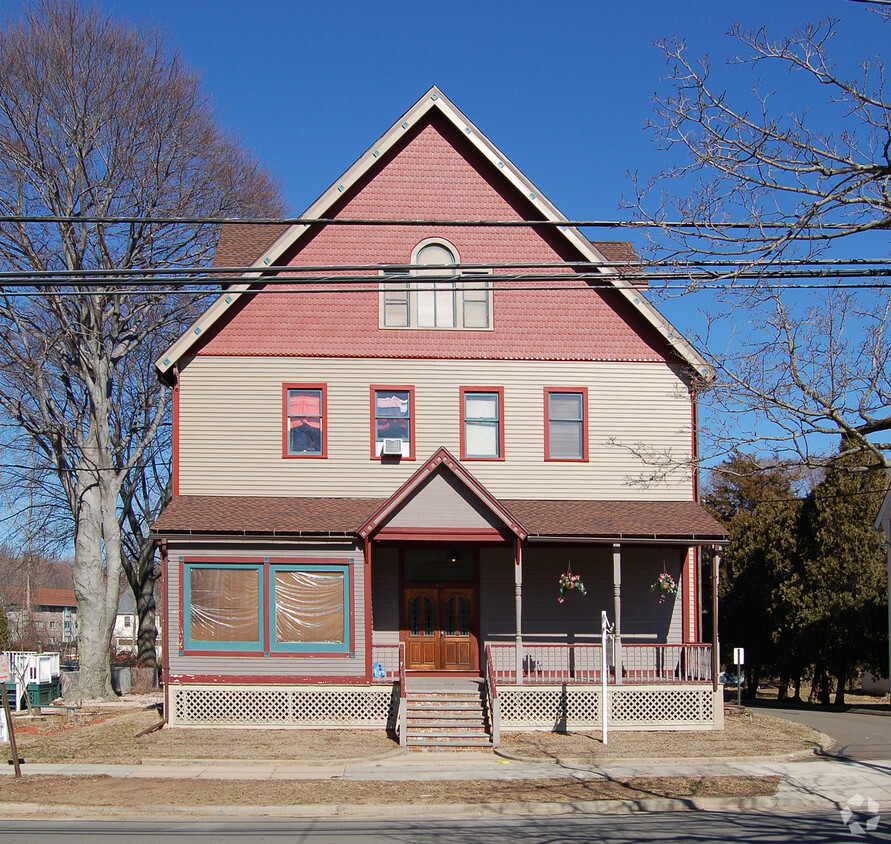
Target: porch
668 687
547 663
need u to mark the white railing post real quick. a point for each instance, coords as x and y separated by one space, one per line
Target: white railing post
604 671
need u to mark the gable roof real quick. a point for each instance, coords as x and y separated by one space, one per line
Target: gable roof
236 241
441 459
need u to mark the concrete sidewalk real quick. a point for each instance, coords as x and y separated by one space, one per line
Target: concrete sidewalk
813 783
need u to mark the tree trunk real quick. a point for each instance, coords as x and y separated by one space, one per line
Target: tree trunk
146 611
797 696
91 588
840 690
824 689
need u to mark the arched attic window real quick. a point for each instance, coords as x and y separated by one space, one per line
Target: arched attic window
450 299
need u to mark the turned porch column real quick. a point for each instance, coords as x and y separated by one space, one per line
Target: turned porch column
518 601
617 608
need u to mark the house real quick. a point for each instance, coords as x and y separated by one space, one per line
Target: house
125 633
390 441
48 622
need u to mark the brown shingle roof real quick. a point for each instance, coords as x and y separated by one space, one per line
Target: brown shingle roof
264 514
616 519
49 597
241 244
273 515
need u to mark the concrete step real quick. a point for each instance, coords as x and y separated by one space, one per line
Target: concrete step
447 720
432 744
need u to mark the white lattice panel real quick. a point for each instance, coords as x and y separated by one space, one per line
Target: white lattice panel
631 707
675 707
282 706
555 709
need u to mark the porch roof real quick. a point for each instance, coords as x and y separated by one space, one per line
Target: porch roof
542 519
617 520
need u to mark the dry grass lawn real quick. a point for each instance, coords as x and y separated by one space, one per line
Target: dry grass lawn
136 796
110 737
759 735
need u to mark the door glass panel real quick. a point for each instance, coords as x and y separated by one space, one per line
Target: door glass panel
463 616
420 616
450 617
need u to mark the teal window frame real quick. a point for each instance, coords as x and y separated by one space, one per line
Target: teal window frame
311 647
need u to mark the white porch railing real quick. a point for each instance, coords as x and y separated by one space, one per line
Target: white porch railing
565 663
30 667
641 663
387 657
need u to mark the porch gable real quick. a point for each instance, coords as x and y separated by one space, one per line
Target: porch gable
442 501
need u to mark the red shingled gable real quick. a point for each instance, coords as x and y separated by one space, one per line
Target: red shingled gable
434 173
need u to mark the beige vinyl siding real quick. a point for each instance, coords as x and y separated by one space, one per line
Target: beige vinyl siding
277 664
230 427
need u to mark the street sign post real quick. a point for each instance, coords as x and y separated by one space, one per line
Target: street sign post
739 657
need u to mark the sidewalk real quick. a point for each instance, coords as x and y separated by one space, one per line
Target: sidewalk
807 784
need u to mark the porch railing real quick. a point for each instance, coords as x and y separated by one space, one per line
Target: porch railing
568 663
402 718
387 657
545 663
494 703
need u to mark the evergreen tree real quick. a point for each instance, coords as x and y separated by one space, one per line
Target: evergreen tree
841 576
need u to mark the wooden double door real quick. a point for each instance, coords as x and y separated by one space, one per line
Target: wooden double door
440 628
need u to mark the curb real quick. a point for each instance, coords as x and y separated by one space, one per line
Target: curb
419 810
275 763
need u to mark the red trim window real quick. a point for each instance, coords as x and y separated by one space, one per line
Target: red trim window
305 420
482 423
392 422
566 423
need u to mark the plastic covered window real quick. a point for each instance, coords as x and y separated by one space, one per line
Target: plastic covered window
311 609
223 606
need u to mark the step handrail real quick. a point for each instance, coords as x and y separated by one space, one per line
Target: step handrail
494 703
401 718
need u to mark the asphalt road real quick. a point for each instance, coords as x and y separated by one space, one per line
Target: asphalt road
859 734
761 827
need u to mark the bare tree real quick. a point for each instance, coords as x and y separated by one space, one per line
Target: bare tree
810 365
99 120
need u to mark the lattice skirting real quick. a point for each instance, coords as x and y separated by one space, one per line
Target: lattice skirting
283 706
630 707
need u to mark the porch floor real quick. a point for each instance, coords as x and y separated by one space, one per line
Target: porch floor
422 683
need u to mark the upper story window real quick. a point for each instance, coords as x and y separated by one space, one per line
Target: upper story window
450 299
393 422
305 422
482 423
566 424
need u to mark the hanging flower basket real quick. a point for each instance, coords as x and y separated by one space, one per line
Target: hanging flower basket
665 586
569 582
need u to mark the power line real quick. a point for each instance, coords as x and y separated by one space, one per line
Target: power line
638 265
305 287
339 221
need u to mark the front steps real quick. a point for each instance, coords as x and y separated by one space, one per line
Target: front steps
446 720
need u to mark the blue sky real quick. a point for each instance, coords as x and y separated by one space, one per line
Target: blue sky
563 90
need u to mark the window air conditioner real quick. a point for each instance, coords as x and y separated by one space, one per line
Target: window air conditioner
391 448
